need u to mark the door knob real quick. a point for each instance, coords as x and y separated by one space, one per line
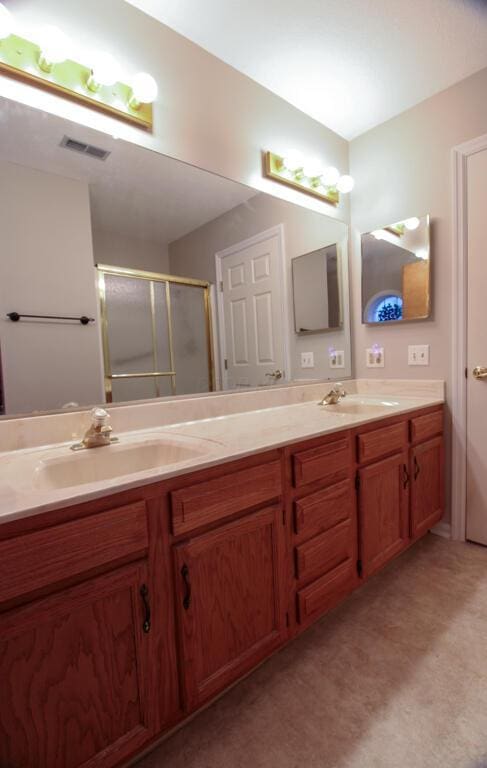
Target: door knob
480 372
276 375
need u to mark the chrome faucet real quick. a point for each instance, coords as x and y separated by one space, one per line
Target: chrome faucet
99 432
336 393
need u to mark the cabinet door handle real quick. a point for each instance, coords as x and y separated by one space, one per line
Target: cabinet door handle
144 593
417 468
187 585
405 476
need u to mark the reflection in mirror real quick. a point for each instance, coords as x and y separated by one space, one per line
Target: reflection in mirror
396 269
186 276
317 290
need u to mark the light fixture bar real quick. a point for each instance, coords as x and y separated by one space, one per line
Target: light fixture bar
22 60
274 169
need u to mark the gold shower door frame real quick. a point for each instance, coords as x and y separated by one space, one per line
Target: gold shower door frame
152 277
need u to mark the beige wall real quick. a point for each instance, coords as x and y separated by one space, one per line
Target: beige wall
304 231
403 168
46 267
208 114
121 251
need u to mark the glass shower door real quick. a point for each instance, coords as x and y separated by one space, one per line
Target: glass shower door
156 335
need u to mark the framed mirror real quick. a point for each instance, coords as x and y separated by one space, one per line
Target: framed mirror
317 298
127 275
396 272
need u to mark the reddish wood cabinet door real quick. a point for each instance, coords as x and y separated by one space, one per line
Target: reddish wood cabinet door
383 511
229 601
73 671
427 486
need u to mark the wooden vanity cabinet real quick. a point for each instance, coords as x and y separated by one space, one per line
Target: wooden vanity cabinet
88 673
323 515
74 670
427 472
383 502
229 553
229 599
121 615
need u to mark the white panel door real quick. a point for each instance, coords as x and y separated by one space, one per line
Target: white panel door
477 350
252 322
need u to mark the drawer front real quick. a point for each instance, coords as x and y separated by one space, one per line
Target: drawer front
216 499
380 442
330 462
325 552
324 509
323 594
429 425
33 561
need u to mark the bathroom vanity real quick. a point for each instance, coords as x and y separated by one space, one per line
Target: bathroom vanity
122 614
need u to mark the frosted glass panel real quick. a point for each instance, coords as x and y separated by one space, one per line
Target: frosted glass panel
128 308
140 389
162 328
190 341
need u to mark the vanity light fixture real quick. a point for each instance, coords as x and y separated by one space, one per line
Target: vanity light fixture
412 223
144 90
307 175
46 63
104 71
54 47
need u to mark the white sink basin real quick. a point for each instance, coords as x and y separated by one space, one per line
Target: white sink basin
117 460
361 406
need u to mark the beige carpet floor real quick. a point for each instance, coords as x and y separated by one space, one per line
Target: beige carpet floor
394 677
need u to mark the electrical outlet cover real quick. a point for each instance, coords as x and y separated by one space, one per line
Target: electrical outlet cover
374 357
419 354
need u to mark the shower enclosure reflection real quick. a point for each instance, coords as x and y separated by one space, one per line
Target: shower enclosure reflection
156 334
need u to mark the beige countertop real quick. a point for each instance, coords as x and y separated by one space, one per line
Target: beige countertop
27 486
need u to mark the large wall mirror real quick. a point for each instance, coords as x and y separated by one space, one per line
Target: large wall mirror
396 272
127 275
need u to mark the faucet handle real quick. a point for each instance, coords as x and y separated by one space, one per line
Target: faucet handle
99 416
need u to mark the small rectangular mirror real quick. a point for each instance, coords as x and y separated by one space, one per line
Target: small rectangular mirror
317 291
396 272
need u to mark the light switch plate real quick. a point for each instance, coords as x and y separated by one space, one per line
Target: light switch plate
374 357
337 359
307 360
419 354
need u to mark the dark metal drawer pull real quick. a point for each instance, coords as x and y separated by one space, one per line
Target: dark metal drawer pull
144 593
187 584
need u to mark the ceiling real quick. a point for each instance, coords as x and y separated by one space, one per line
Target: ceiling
350 64
135 192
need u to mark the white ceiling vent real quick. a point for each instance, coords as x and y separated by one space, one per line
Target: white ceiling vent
84 149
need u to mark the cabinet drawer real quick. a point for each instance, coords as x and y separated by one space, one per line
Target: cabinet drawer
322 510
429 425
323 594
380 442
216 499
330 462
325 552
33 561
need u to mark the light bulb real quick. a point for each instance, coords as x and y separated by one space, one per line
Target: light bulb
379 234
312 168
144 90
423 254
293 160
330 176
6 22
54 45
412 223
104 71
345 184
